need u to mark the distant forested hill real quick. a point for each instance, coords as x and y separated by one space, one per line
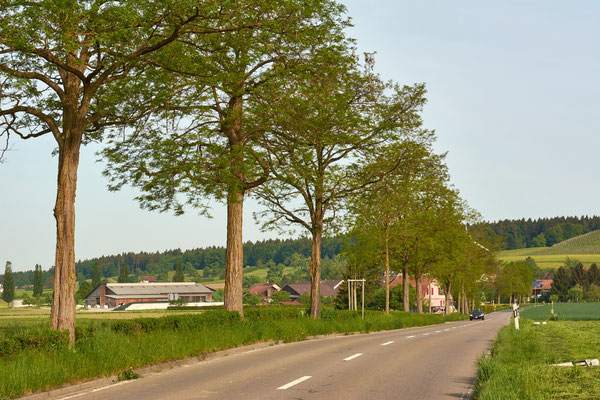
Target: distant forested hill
210 260
518 234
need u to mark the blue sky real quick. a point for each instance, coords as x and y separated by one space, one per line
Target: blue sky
514 96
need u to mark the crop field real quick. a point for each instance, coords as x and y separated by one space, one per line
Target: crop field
547 260
564 311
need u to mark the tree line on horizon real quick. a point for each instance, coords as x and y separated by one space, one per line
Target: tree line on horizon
541 232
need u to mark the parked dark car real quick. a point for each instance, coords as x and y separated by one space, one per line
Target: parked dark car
477 314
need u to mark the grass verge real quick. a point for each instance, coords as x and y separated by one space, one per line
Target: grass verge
108 347
519 366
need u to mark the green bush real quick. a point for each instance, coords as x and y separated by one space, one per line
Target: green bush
175 322
46 340
260 313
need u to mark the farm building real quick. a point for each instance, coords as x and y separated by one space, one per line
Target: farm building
115 294
328 288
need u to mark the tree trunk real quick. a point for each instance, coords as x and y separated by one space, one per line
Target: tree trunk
498 298
459 302
419 292
447 298
387 276
234 253
315 275
429 291
63 301
405 289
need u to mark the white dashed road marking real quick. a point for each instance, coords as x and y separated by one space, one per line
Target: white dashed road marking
411 336
386 343
353 357
292 383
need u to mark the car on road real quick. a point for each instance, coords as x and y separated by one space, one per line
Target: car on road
477 314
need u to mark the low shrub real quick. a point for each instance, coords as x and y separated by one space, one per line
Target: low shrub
174 322
261 313
45 340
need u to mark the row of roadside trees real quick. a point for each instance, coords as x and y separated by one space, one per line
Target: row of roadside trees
226 99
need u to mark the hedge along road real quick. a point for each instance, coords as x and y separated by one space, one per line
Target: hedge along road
433 362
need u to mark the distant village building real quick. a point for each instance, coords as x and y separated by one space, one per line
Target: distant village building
147 279
328 288
264 290
428 287
112 295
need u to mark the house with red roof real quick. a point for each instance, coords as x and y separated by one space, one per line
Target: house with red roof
430 289
264 290
541 286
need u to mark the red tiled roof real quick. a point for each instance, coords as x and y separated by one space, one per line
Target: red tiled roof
259 288
148 278
543 284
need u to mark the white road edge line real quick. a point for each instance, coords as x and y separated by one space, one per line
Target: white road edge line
411 336
110 386
292 383
386 343
73 396
353 356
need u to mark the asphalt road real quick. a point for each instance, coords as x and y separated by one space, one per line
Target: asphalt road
434 362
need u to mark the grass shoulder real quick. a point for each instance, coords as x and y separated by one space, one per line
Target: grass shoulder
520 363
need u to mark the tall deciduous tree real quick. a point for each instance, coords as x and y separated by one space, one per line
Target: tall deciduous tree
379 212
206 143
38 285
71 69
179 277
96 276
8 284
329 120
123 273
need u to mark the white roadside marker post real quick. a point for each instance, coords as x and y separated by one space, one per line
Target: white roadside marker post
516 316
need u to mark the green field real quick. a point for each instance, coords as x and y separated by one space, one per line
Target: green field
564 311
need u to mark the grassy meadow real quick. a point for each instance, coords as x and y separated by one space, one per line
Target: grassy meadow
585 248
547 260
520 364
